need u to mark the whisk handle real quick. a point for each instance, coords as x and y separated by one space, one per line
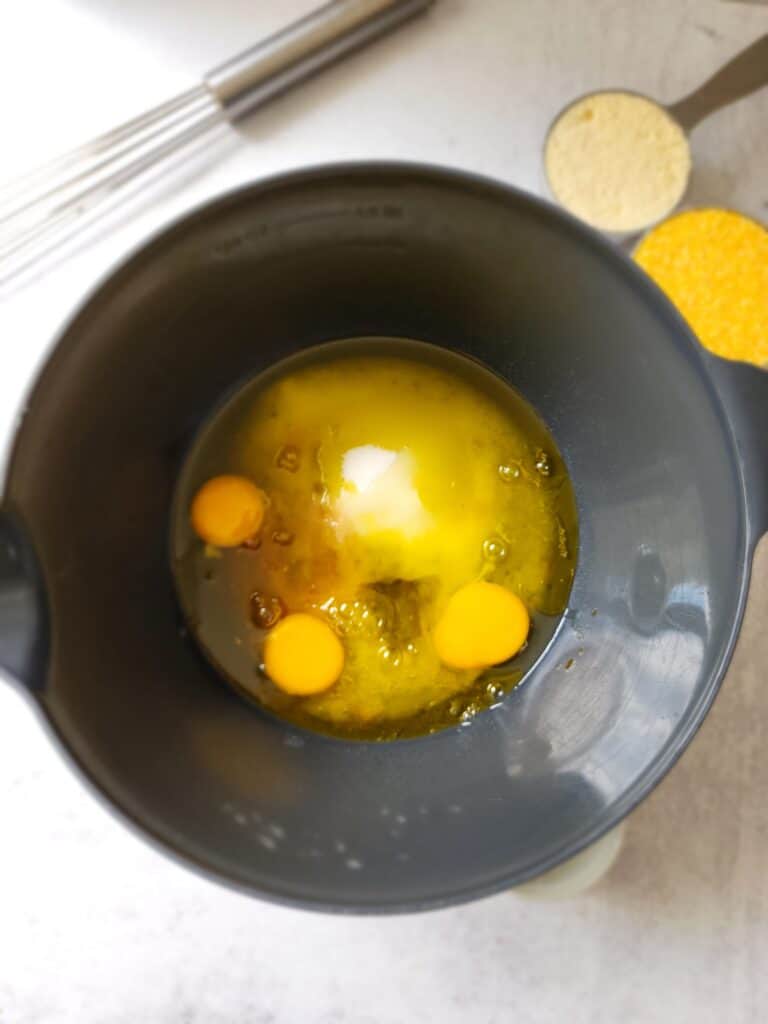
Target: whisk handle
306 46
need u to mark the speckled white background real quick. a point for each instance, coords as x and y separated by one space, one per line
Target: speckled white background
95 927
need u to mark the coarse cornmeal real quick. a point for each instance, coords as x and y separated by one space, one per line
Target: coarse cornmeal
713 264
617 160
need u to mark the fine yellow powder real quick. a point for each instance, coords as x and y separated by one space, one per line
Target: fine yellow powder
618 161
713 264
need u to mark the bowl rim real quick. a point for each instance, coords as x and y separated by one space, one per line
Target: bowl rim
587 237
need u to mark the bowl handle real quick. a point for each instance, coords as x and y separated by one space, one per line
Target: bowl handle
744 391
23 607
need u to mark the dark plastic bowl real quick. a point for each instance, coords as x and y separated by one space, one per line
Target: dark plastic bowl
659 450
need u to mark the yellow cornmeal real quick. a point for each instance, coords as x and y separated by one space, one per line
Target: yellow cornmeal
713 264
618 161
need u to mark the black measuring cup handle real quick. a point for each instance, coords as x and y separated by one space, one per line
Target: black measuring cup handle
744 391
23 607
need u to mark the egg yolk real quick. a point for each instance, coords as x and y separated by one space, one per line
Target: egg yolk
483 624
303 655
227 511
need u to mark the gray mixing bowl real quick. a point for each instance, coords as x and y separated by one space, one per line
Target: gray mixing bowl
666 448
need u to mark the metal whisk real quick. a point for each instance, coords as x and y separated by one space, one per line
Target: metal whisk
48 205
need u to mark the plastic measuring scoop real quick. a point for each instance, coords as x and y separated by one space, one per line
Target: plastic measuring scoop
743 74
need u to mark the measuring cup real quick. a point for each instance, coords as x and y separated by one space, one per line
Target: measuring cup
743 74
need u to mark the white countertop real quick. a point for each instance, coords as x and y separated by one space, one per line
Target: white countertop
96 927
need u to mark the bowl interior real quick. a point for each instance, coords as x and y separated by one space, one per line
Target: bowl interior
392 252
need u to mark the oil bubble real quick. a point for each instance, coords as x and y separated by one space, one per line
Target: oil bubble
509 472
543 463
282 537
563 548
494 549
288 458
265 610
